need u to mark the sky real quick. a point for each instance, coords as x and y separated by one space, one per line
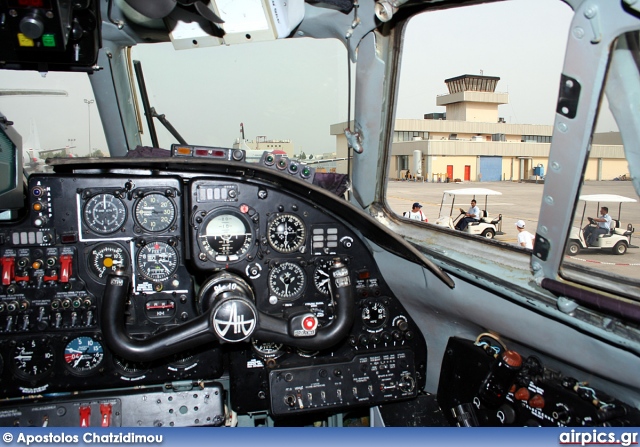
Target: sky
285 90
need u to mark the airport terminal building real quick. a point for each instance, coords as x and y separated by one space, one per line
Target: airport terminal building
470 142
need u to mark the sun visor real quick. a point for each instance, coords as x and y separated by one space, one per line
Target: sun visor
244 22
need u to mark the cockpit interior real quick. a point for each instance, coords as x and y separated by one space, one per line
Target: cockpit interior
182 284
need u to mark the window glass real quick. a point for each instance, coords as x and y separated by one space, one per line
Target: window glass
480 84
603 236
55 113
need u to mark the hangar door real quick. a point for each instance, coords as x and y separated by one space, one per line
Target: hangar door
490 169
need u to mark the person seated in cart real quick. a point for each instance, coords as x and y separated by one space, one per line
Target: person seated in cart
472 215
591 233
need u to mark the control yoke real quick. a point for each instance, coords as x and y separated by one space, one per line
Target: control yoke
229 316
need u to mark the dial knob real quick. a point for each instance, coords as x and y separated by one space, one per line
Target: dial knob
32 26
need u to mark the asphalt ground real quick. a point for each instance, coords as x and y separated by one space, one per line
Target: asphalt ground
522 201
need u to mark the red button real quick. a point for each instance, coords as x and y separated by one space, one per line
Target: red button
310 323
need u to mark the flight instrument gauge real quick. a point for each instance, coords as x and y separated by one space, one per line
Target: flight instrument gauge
287 281
104 213
286 233
321 276
225 236
130 368
83 354
33 358
374 316
105 258
155 212
157 261
267 349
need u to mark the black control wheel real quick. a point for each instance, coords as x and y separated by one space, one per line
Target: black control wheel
229 316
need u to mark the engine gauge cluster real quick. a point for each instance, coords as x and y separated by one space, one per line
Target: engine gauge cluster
129 207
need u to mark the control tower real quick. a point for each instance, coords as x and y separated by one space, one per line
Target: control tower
472 98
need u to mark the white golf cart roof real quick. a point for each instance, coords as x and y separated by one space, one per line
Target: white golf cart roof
473 192
606 198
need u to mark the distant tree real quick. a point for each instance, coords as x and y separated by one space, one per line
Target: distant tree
303 156
58 155
97 153
310 156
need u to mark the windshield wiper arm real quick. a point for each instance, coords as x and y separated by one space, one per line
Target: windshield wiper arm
150 112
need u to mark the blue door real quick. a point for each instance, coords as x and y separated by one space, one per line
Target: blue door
490 169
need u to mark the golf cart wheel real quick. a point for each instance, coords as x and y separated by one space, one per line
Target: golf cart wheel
573 248
488 233
620 248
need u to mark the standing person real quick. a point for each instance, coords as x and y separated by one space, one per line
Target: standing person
473 215
407 176
416 213
604 225
525 239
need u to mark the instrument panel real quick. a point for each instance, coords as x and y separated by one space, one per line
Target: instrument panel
172 235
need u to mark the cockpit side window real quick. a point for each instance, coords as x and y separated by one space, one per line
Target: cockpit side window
474 116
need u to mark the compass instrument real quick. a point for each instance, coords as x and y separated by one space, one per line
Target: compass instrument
286 233
287 281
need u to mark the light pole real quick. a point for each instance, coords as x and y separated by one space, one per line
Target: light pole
88 102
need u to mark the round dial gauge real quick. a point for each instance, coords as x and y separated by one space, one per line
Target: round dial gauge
128 367
267 349
32 358
83 354
104 213
374 315
321 276
157 261
287 281
155 212
286 233
105 259
225 236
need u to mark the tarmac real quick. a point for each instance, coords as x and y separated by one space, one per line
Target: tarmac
521 201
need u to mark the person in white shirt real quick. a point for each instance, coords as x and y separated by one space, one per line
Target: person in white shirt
604 225
416 213
473 215
525 239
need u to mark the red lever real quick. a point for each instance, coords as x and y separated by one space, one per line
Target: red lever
85 415
65 267
7 270
105 415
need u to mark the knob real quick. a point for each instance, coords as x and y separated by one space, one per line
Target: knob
32 26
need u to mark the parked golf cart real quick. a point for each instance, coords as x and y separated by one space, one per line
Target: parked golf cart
488 226
618 239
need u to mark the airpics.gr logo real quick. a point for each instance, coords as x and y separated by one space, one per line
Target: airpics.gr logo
234 320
